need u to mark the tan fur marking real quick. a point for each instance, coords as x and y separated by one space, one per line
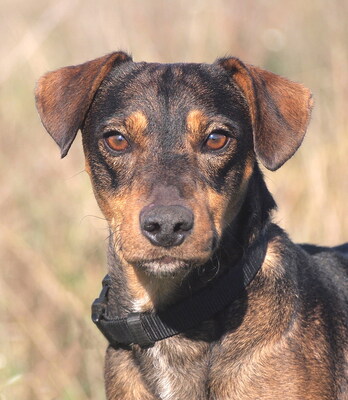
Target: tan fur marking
218 204
116 209
223 209
196 123
196 120
136 123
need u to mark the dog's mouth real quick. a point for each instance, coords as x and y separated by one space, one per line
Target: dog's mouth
165 265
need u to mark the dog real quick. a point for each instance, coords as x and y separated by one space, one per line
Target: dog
205 297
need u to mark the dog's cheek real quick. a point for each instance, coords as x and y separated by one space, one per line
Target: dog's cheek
111 206
109 175
218 206
226 204
200 244
111 196
132 242
122 211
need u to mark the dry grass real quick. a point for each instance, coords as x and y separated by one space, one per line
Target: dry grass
52 248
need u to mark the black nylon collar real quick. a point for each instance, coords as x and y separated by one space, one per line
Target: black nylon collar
146 328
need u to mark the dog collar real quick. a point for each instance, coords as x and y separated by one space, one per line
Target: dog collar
146 328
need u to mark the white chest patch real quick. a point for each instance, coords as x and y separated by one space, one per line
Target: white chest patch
163 374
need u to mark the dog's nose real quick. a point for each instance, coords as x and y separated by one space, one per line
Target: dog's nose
166 226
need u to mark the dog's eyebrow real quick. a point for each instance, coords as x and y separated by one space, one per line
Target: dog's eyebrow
135 122
223 122
197 121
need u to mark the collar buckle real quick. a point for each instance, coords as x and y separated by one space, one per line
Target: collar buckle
99 305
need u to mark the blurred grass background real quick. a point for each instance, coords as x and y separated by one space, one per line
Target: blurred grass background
52 240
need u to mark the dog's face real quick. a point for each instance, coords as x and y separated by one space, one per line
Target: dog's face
169 154
170 149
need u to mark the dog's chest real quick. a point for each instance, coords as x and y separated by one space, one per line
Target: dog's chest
180 368
177 370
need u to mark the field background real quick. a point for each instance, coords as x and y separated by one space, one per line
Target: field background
52 237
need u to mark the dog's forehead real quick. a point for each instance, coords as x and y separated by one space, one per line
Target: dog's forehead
167 79
165 91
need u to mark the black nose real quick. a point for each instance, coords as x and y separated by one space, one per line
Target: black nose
166 226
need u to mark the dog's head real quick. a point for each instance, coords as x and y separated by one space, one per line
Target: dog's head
170 148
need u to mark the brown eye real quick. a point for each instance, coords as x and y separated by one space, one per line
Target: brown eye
117 142
216 140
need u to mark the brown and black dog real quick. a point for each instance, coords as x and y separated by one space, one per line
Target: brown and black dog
172 153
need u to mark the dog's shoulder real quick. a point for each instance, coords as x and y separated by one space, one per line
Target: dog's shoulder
330 266
313 278
325 283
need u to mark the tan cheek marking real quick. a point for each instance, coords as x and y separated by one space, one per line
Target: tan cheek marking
136 123
111 206
118 209
217 204
225 209
125 202
122 212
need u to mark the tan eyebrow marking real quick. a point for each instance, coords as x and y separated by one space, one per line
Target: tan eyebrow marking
196 121
136 123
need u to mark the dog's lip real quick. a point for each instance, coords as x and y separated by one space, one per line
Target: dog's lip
164 260
165 265
167 260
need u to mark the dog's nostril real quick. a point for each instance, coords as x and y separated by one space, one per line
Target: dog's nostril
183 226
177 227
151 227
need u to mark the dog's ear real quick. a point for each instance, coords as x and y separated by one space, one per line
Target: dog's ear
280 111
64 96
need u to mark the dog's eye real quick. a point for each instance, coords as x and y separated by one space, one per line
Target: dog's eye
116 141
216 140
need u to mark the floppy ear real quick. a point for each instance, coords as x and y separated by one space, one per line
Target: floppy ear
280 111
63 97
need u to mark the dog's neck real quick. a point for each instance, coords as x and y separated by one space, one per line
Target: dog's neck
133 290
